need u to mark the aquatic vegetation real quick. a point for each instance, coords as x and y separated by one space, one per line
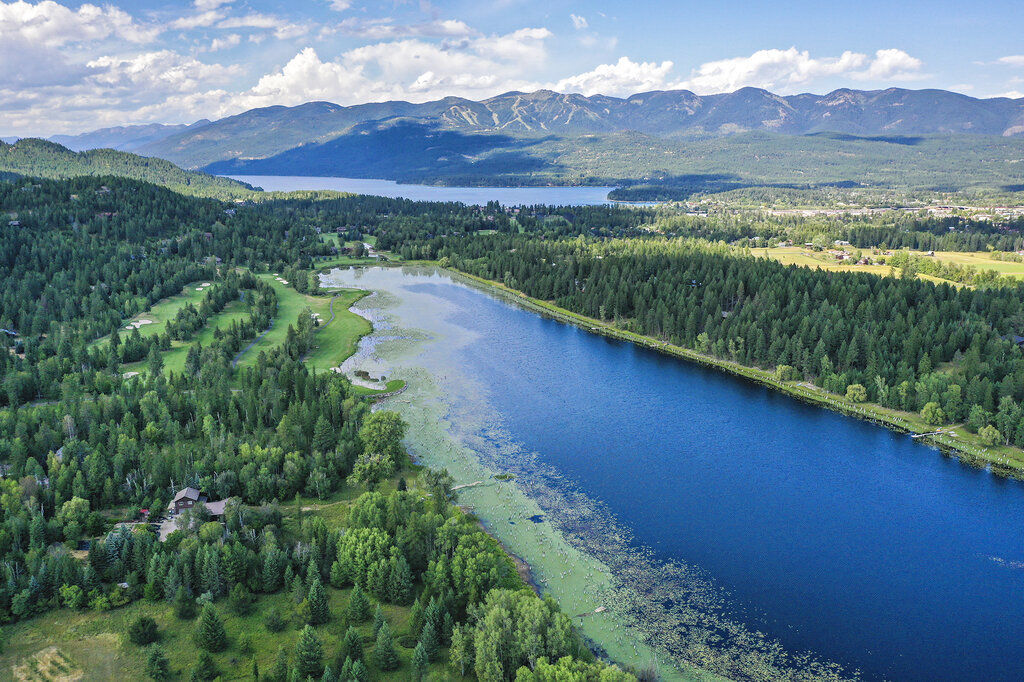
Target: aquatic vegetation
628 602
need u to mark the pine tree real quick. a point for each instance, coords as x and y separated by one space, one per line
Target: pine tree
309 653
184 605
209 633
157 666
318 607
359 672
429 641
143 631
378 620
239 599
420 662
205 667
323 435
279 673
298 590
416 617
352 645
400 588
358 606
213 580
384 654
254 670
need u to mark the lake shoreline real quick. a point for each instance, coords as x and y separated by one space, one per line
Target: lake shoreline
947 443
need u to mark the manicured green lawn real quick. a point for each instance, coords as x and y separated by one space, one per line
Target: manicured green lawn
174 359
334 341
162 312
337 340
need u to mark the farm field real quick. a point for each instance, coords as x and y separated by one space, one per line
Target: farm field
979 260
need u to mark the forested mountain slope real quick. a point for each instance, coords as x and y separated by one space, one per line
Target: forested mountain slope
40 158
264 133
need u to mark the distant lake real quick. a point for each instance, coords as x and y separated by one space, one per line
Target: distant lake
831 534
507 196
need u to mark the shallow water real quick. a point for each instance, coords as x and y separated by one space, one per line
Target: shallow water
507 196
830 534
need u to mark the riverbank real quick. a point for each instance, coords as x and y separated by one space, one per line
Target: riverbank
469 442
954 440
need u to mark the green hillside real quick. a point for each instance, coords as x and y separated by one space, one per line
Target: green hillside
40 158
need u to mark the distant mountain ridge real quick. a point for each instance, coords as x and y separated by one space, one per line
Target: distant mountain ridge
265 132
122 138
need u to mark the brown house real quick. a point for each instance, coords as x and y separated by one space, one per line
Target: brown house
190 497
185 499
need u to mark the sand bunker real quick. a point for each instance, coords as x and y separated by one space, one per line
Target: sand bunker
138 323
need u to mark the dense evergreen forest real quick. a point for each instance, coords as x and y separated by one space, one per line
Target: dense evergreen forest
904 343
83 445
39 158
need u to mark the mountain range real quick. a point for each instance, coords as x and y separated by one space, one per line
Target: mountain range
122 138
545 137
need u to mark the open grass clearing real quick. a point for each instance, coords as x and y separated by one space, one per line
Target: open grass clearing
161 312
174 359
979 260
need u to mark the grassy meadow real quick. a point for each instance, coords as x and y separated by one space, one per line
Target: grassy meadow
798 255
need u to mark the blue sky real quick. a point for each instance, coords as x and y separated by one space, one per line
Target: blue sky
73 66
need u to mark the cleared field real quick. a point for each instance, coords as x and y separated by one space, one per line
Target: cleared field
979 260
795 255
174 359
337 339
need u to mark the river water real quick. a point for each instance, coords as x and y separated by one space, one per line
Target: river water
506 196
829 534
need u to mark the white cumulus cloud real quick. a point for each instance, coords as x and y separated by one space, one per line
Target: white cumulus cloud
773 69
578 22
620 79
51 24
411 69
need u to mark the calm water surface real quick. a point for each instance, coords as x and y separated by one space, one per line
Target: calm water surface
507 196
831 534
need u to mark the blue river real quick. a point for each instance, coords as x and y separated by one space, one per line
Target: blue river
831 534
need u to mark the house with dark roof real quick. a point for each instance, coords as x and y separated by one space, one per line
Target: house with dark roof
190 497
186 499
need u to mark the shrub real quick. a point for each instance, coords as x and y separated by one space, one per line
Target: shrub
989 435
143 631
932 414
157 666
857 393
274 622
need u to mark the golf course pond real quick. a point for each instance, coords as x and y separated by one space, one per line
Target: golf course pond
683 514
